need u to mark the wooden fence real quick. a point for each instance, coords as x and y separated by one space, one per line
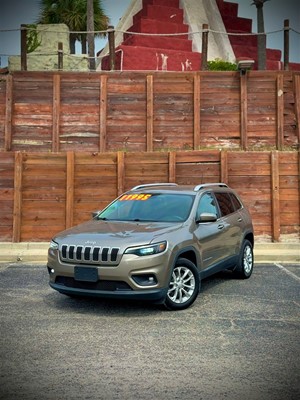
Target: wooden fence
149 111
43 193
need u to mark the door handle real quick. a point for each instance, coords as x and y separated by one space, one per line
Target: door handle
240 219
220 226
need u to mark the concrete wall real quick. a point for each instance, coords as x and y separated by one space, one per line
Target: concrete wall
45 57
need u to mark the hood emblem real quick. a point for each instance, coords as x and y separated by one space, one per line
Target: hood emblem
90 242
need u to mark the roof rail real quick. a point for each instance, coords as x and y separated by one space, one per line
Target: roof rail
204 185
153 184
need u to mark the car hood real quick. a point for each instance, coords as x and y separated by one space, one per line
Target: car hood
115 233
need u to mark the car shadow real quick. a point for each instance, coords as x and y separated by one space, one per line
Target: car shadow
120 308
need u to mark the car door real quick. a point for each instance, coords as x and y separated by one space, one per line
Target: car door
230 221
208 233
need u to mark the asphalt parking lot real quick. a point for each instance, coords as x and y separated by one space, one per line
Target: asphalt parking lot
240 340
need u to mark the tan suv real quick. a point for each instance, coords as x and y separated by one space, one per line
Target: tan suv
155 242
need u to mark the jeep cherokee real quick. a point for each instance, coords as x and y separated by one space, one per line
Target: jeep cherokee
155 242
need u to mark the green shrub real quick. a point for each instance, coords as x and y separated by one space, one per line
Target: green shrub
221 65
33 41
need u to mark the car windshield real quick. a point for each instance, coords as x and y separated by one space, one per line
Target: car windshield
158 207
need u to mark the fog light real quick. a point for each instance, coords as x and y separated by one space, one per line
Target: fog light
52 271
145 279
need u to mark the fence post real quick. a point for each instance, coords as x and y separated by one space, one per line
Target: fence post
275 196
70 189
286 44
60 56
280 112
56 113
23 47
244 110
172 166
103 113
197 111
121 172
17 213
8 114
204 47
111 43
149 138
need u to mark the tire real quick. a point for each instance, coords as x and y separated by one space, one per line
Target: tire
184 285
245 264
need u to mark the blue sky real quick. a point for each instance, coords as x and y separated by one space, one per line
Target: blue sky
17 12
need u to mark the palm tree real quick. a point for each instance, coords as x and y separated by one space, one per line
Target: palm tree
73 13
261 39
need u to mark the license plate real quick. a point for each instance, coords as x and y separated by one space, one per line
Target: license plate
86 274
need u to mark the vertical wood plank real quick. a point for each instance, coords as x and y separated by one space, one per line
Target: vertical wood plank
149 133
275 196
244 111
17 214
56 113
224 166
8 114
121 172
280 111
70 189
197 88
299 179
103 113
172 166
297 103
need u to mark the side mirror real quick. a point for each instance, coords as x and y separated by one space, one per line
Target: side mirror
207 217
95 214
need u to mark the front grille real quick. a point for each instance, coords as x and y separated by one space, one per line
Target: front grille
89 254
100 285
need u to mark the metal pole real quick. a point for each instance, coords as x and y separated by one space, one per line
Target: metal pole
23 47
90 34
111 43
204 47
286 45
60 56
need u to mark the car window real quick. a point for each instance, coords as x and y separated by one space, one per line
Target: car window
236 202
160 207
225 203
207 204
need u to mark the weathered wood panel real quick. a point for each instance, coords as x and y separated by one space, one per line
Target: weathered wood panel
250 174
289 192
95 183
41 194
126 115
32 112
126 111
7 167
79 112
43 209
220 110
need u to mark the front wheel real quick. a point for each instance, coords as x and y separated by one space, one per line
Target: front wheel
244 266
184 285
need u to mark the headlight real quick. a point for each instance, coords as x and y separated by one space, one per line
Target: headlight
53 245
147 250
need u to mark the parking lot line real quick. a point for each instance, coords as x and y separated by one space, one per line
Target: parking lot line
287 271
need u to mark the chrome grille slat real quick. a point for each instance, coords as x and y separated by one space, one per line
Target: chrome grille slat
89 254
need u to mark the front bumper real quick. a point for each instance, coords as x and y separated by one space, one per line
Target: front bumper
154 295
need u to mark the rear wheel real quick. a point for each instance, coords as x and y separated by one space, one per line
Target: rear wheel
184 285
244 267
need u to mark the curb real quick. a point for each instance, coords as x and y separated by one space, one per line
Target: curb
36 252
